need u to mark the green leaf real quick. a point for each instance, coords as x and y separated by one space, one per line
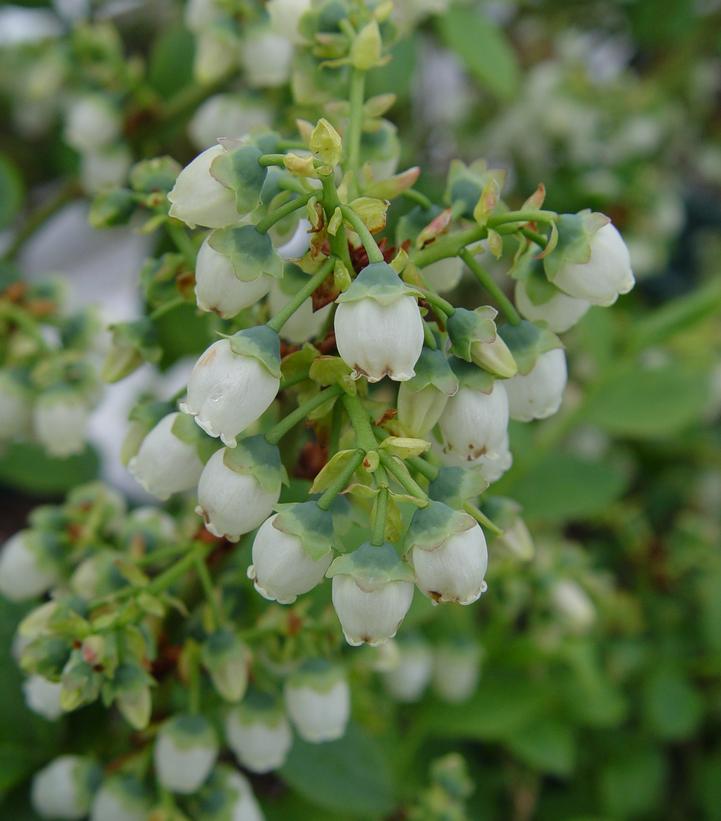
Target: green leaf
27 467
171 61
673 708
546 744
631 780
12 191
483 48
563 486
350 776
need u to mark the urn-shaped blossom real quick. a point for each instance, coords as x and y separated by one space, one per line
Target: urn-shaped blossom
558 310
266 57
591 260
538 393
474 339
64 787
258 733
239 487
121 797
60 422
234 382
29 564
456 669
291 552
171 457
43 697
317 698
226 658
91 122
15 406
305 323
448 552
185 750
378 325
409 677
372 591
227 796
422 400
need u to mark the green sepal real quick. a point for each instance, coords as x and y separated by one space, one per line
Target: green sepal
471 376
163 278
538 289
467 183
130 689
298 363
111 208
380 282
239 170
157 174
190 730
318 674
332 370
411 224
527 341
261 343
255 456
292 278
226 658
466 327
249 252
434 524
133 343
333 469
259 705
185 429
372 566
501 510
456 485
433 368
310 524
573 243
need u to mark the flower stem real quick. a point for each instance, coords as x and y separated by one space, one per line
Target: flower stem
285 313
404 479
277 432
276 216
380 511
210 593
522 216
355 125
534 236
487 281
360 422
182 241
448 246
423 467
339 242
481 518
374 252
418 197
271 159
175 572
193 678
428 339
166 308
437 301
339 484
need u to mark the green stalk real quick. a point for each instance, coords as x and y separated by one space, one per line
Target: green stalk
277 432
161 310
339 242
271 159
404 480
175 572
448 246
380 511
280 213
428 339
360 422
285 313
210 593
418 197
534 236
182 241
374 252
340 483
424 468
522 216
487 281
437 301
481 518
355 125
193 679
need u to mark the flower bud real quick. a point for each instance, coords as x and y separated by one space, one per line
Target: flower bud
444 275
474 424
223 115
131 686
305 323
105 168
378 325
166 463
317 698
561 312
291 552
372 591
226 659
234 382
43 697
573 605
133 344
218 289
239 487
15 406
28 565
495 357
227 796
202 14
258 733
185 751
60 421
456 669
422 400
97 575
197 198
448 552
409 678
91 122
285 16
64 787
122 797
591 260
216 55
538 394
265 58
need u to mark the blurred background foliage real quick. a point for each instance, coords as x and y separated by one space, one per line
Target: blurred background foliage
600 693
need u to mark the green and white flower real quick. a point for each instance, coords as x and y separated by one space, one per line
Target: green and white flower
60 422
539 393
43 697
91 122
258 733
64 787
28 565
121 797
456 670
184 754
317 698
408 678
227 796
422 399
15 407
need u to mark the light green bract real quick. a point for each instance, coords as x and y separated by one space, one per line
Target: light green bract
307 522
433 525
377 281
256 457
471 376
249 252
538 289
457 485
527 341
466 327
433 369
239 170
575 232
261 343
372 565
185 429
466 183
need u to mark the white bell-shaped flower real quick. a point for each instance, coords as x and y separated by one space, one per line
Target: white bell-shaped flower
259 734
605 276
305 323
265 58
217 288
372 591
235 494
408 679
456 670
228 796
122 797
224 115
228 391
15 407
60 422
216 55
64 787
538 393
286 562
105 168
422 400
201 14
443 275
184 754
27 567
91 122
165 463
573 605
378 325
475 424
561 312
493 468
43 697
197 198
317 698
448 552
285 16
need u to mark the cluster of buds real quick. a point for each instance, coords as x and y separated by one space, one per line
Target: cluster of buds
49 372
